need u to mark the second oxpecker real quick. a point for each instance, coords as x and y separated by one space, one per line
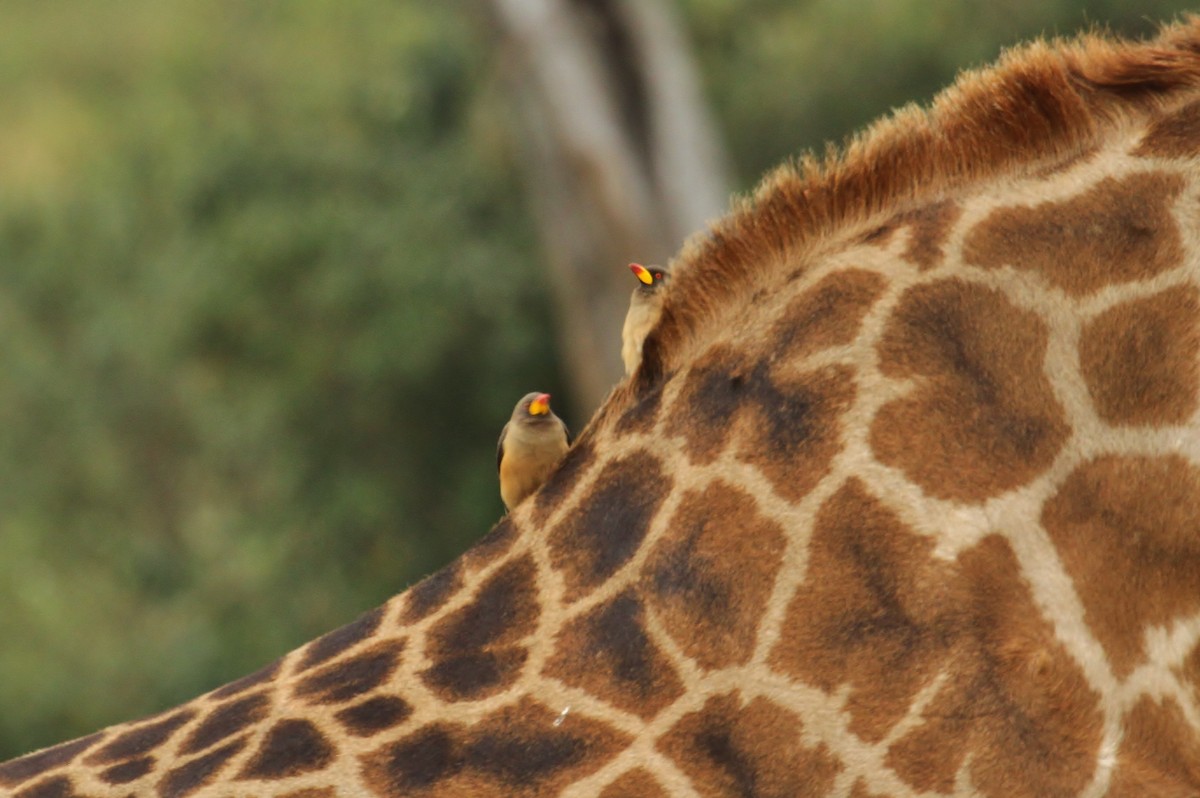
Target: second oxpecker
530 445
645 306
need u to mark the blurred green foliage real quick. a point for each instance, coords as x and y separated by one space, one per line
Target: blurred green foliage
269 289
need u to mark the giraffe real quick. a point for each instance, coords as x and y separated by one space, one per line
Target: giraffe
903 499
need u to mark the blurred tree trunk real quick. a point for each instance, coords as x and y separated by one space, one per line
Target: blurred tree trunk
623 160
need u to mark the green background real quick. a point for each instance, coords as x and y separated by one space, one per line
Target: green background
269 287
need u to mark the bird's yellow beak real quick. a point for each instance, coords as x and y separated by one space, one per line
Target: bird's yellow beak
540 406
642 273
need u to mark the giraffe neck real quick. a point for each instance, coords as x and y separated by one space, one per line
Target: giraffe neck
902 500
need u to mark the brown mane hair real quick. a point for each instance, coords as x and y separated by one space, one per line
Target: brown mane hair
1043 102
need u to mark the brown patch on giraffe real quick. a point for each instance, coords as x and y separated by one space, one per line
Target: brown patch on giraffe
706 408
30 766
475 674
609 654
860 791
185 779
225 721
374 715
126 772
129 771
475 650
981 418
635 784
54 787
263 675
350 677
878 612
291 747
728 748
828 314
1141 359
929 227
643 414
1013 700
1159 755
330 645
515 751
141 739
494 545
1119 231
1126 526
787 425
796 431
609 524
1176 135
1190 671
428 595
562 481
710 580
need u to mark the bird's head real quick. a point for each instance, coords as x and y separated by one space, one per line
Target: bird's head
533 407
650 278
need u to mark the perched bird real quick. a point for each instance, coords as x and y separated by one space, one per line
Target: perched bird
530 445
644 308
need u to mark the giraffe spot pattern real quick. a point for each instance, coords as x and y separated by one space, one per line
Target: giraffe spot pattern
494 545
642 415
1159 753
1118 231
1191 669
263 675
514 751
1013 701
788 425
226 721
17 771
710 580
1141 359
707 406
929 226
474 650
609 654
142 739
635 784
982 418
374 715
562 481
610 523
432 592
291 747
1126 526
192 775
732 748
350 677
54 787
1174 136
878 614
860 791
330 645
126 772
474 674
882 616
828 314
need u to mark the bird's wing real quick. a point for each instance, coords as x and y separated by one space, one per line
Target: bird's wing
566 432
500 447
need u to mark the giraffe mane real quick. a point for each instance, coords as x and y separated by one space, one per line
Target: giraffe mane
1042 102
